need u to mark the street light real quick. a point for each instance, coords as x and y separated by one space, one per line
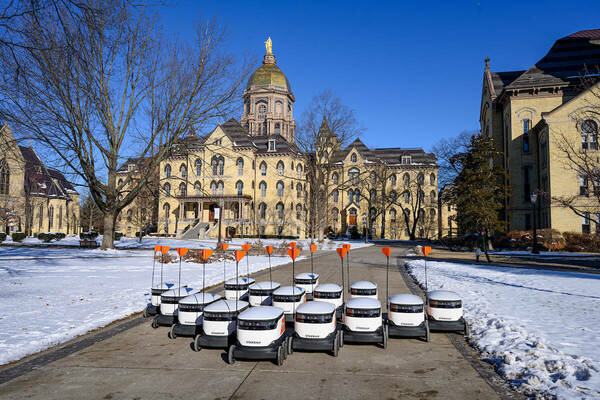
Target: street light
534 250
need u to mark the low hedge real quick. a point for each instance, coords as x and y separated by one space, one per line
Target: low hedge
18 236
118 235
2 237
91 235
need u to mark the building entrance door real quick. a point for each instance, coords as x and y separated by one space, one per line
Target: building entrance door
211 213
352 217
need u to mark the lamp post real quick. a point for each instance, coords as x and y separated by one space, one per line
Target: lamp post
534 250
366 229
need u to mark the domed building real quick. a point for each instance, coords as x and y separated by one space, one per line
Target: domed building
269 101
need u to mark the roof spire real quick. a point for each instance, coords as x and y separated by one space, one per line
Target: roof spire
487 63
269 57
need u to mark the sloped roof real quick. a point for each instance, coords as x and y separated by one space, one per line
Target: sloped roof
389 155
282 146
236 132
62 181
39 181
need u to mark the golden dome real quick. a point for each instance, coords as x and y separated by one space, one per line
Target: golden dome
269 74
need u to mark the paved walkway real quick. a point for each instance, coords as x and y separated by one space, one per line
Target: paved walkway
143 363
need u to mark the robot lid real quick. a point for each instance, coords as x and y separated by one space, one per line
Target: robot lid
261 313
315 307
363 285
364 303
406 299
240 281
163 286
443 295
179 292
289 291
226 306
199 298
265 285
328 288
307 276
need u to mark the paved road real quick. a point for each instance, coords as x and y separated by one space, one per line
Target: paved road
142 363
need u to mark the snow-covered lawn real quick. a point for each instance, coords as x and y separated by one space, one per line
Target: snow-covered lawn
541 328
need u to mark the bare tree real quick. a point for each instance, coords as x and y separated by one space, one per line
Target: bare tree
444 149
326 126
96 82
413 203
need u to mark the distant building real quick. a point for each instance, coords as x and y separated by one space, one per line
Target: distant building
527 113
33 198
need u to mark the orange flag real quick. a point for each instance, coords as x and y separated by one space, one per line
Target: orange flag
387 251
206 253
246 247
157 248
313 248
293 253
239 254
426 250
269 249
293 245
164 249
224 246
346 246
182 251
342 252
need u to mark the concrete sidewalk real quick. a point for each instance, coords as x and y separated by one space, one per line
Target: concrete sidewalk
143 363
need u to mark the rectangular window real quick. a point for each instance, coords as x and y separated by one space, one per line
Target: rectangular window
526 143
583 186
585 223
406 160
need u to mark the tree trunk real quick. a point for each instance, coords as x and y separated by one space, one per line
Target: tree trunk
109 230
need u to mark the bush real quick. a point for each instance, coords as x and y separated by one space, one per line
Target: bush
2 237
46 237
547 239
18 236
117 235
91 235
582 242
354 233
60 235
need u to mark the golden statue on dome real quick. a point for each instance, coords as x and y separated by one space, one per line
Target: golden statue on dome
269 46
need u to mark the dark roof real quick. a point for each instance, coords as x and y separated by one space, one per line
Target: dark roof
62 181
237 133
502 79
40 181
282 146
389 156
569 59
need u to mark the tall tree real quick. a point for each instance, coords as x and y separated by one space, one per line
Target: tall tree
478 190
444 150
97 82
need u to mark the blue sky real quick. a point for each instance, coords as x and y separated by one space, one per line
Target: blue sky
412 71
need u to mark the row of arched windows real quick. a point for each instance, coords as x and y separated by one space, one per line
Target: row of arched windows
354 178
217 165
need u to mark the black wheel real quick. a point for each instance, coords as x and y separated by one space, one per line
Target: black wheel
341 339
336 346
290 345
231 355
172 334
154 323
197 346
285 349
385 336
279 360
466 332
426 331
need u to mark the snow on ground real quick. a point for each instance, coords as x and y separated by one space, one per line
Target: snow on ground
540 328
50 295
546 255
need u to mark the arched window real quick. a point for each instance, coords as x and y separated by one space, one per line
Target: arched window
240 187
335 215
218 164
299 171
393 180
277 128
167 189
353 175
526 128
392 216
220 187
393 196
262 111
432 215
421 215
406 179
353 157
182 189
262 210
4 177
280 187
421 196
298 190
51 216
325 155
351 195
263 168
120 182
183 170
263 189
335 178
198 167
406 197
278 107
298 212
129 215
279 208
432 179
589 135
357 195
432 196
213 188
197 188
420 178
167 210
60 213
41 215
336 195
280 167
372 195
240 166
168 170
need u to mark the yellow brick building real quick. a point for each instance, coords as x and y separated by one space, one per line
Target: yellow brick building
528 114
33 198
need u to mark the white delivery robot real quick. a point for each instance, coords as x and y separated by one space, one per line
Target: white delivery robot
169 302
288 298
189 314
315 328
155 292
260 293
445 313
237 288
363 322
260 336
363 289
219 324
406 317
307 281
330 293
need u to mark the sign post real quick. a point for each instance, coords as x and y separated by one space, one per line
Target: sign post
313 248
247 248
239 254
342 253
206 253
347 247
163 251
156 250
182 251
426 250
269 251
387 251
224 247
293 253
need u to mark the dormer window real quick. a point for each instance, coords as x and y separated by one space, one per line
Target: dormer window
131 167
406 160
271 145
217 142
353 157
